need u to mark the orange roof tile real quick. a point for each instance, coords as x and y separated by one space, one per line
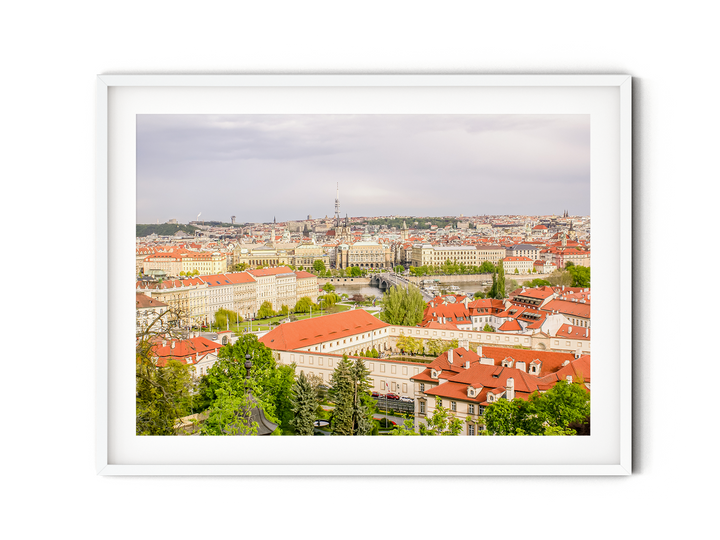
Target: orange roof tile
309 332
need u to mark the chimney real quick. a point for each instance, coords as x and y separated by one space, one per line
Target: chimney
569 379
172 344
465 301
479 351
510 389
450 356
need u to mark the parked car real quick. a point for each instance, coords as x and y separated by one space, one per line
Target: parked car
375 394
406 399
392 396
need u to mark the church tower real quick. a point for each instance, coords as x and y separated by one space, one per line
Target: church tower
404 232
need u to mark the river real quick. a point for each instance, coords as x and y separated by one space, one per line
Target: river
468 287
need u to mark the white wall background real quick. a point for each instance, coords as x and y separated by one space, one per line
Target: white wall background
665 485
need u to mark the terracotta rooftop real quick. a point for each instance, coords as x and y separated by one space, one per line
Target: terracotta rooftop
309 332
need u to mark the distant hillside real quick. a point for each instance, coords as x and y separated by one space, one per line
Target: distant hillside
422 222
164 229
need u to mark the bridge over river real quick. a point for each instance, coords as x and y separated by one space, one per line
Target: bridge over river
387 280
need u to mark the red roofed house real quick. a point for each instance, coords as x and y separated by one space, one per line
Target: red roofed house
577 313
147 311
199 353
465 382
348 332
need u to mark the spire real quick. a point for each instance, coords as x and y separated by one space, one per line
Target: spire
337 202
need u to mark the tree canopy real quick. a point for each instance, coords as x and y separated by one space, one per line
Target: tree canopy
580 276
270 382
319 266
354 408
559 411
304 305
403 306
265 310
304 406
162 393
441 422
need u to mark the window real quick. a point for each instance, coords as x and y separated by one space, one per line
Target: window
471 429
422 387
422 407
453 406
471 409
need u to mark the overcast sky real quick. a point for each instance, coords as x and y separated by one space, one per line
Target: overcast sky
258 167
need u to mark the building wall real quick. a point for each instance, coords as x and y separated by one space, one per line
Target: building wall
395 374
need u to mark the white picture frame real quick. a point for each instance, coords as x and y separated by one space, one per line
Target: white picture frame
607 98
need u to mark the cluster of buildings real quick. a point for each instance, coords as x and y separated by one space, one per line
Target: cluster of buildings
507 348
522 244
199 298
483 368
534 311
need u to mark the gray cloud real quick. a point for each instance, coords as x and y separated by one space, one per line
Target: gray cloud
257 167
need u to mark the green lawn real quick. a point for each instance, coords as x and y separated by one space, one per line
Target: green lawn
268 324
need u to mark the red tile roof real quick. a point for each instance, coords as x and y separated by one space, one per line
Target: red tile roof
494 378
309 332
144 301
577 309
184 349
573 332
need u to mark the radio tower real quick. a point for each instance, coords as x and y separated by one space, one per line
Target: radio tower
337 204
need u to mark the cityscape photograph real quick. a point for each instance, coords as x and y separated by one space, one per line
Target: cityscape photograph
377 275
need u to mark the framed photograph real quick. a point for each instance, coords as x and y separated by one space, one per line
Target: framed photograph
597 108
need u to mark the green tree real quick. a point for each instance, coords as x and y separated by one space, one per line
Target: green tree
304 305
270 382
304 406
225 316
487 267
355 272
319 266
354 407
403 306
554 412
560 277
492 292
328 287
479 294
406 429
435 347
328 300
399 269
564 404
500 293
488 328
580 276
229 414
441 422
265 310
408 344
240 267
162 393
284 310
537 282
